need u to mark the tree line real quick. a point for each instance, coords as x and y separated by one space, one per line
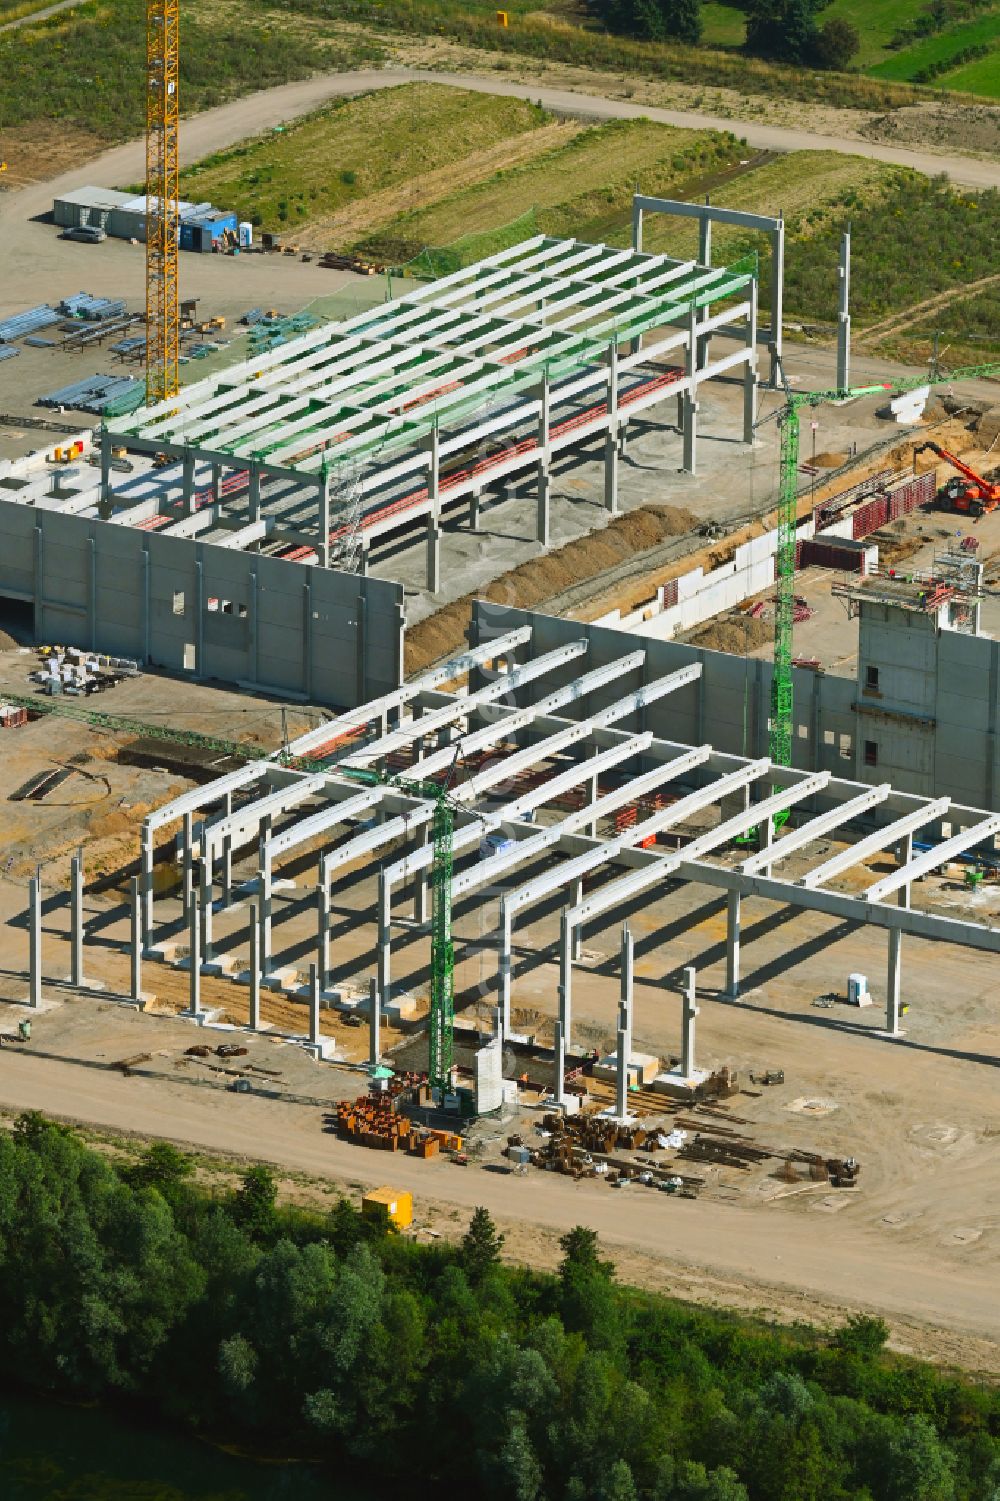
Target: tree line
784 31
439 1367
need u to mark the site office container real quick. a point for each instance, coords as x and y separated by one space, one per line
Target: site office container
396 1203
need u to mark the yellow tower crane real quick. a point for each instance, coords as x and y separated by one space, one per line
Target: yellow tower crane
162 212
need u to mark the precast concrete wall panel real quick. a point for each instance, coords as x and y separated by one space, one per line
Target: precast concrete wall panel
932 723
212 612
17 551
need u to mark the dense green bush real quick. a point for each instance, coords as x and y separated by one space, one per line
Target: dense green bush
922 238
438 1368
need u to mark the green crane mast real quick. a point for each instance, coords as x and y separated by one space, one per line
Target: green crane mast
782 717
780 747
441 1022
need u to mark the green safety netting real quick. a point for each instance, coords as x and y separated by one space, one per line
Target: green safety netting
441 260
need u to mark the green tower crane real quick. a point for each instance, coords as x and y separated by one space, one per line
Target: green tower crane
441 1022
782 716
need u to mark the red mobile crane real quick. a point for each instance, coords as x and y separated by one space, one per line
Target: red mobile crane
971 495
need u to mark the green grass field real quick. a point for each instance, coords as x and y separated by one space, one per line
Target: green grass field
934 50
876 22
353 149
979 77
582 187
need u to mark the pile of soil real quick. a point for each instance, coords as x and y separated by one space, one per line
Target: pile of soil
7 643
826 460
736 634
542 578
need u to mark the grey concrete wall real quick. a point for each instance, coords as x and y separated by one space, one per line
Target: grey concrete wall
933 721
213 612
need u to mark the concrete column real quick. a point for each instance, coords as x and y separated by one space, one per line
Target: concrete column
705 236
323 935
636 224
422 885
592 794
254 1016
194 960
76 920
265 915
187 482
364 559
475 500
227 868
384 940
542 523
187 869
558 1065
542 505
777 296
904 855
750 369
688 1014
374 1024
575 898
844 313
733 902
690 397
566 979
146 860
433 554
503 965
623 1040
205 902
893 985
767 839
314 1032
253 492
611 439
216 484
135 953
105 466
35 942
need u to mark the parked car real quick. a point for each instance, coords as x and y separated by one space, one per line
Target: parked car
91 234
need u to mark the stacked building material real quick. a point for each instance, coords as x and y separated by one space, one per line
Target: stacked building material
84 305
100 394
28 322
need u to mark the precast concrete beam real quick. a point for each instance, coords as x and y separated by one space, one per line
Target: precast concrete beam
816 828
933 859
820 875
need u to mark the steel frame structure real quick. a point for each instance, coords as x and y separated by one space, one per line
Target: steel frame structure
565 746
466 382
162 198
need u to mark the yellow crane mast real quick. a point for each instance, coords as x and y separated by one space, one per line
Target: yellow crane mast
162 213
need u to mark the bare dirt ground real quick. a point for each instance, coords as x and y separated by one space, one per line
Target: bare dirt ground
919 1240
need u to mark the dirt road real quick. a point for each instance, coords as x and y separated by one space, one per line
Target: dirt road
40 15
34 258
853 1269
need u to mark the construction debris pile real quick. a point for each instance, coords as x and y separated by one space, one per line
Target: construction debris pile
373 1120
75 672
583 1146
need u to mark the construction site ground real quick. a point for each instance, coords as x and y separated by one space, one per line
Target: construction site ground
918 1240
909 545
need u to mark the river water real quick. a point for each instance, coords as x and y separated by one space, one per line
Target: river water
53 1453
